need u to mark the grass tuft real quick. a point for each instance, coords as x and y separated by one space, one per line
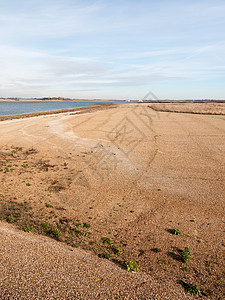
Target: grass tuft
131 266
175 231
186 254
193 289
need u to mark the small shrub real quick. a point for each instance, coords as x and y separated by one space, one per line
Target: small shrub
106 240
29 229
53 232
186 254
131 266
85 233
175 231
193 289
56 233
117 251
10 219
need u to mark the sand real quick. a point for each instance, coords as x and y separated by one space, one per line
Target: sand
132 174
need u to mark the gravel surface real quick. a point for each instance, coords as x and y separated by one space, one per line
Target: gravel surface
159 171
35 267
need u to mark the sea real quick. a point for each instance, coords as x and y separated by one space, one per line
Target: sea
20 108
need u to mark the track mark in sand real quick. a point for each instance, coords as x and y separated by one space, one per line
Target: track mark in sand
108 117
155 152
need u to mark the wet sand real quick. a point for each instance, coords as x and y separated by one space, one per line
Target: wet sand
133 174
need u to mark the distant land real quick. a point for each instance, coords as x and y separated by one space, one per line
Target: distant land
46 99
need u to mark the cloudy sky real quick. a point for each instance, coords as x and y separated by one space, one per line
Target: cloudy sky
116 49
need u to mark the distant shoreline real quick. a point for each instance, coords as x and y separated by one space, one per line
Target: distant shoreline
42 100
55 112
22 100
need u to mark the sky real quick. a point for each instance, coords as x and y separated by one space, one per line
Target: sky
112 49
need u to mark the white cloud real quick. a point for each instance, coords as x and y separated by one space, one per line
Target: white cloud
70 45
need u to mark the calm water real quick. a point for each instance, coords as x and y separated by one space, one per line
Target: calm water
8 109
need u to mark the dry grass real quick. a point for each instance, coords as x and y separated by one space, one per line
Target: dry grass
194 108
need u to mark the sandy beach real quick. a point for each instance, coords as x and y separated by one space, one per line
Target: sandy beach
84 192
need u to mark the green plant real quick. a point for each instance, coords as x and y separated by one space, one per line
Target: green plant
28 184
193 289
106 240
29 229
85 233
175 231
104 255
48 205
131 266
186 254
53 232
117 251
12 218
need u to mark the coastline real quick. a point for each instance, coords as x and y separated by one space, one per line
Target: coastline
23 100
56 112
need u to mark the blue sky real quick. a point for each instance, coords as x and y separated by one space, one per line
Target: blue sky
112 49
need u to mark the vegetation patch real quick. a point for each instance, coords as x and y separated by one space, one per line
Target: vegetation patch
175 231
193 289
131 266
51 231
186 254
106 240
104 255
29 229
